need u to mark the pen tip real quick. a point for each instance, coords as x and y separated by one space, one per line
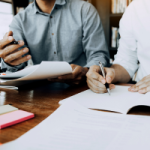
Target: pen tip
108 91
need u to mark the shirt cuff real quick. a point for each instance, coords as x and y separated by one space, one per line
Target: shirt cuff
96 62
10 68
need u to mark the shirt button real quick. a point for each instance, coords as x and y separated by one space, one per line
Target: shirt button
51 16
54 52
52 33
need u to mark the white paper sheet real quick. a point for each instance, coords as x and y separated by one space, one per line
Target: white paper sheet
73 127
47 69
21 73
120 100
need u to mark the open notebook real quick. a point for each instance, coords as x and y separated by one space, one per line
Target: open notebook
120 100
47 69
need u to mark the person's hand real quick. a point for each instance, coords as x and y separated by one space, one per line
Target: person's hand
96 81
142 87
10 54
78 76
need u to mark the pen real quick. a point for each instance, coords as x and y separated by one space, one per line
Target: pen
103 73
14 42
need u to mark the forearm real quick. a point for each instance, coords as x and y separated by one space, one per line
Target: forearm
121 74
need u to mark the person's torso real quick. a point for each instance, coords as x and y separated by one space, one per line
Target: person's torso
141 30
56 36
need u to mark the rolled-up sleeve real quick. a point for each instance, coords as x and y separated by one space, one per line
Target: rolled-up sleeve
15 27
127 51
94 43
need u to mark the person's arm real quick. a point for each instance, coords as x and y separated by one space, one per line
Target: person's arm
14 57
94 43
121 74
126 61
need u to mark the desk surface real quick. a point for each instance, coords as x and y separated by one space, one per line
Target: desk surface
42 100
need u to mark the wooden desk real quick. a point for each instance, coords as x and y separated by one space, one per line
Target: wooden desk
42 100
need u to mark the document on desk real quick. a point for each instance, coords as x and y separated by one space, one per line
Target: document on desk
120 100
73 127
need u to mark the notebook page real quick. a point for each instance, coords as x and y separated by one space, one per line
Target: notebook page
144 100
120 100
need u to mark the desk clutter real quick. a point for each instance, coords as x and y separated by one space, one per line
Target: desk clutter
10 115
74 127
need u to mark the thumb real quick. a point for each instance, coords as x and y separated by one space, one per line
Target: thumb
10 33
110 74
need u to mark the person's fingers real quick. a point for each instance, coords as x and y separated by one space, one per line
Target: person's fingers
110 74
112 86
20 60
10 33
10 49
141 84
4 42
96 89
96 83
93 75
66 77
99 84
5 35
144 90
95 69
73 66
76 71
134 88
8 59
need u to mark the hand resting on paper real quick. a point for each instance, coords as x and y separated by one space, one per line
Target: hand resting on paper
142 87
9 52
78 76
96 81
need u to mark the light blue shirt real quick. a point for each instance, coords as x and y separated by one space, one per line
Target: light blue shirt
73 33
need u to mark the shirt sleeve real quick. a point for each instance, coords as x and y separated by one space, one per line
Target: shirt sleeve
94 43
127 51
15 27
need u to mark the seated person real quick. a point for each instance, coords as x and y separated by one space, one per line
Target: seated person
134 47
56 30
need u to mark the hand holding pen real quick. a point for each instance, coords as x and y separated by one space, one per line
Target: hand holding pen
9 50
96 80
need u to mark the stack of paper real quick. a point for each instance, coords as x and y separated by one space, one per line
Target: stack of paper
73 127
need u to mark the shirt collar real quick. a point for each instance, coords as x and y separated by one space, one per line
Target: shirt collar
36 9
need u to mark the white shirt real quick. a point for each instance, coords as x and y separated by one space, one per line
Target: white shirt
135 39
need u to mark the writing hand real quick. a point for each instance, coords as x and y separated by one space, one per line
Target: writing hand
96 81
